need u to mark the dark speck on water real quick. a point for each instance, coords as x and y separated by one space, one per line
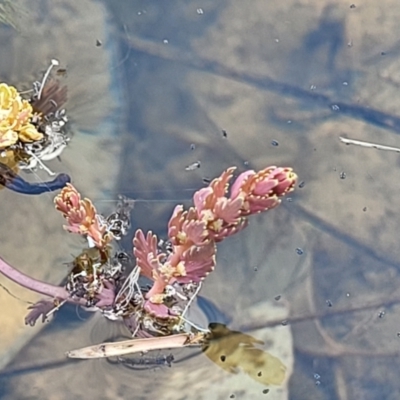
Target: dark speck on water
301 184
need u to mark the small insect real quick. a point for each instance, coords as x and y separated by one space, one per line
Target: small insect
193 166
61 72
224 133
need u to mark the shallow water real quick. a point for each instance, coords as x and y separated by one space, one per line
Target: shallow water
284 81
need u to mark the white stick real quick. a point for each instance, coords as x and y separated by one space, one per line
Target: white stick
368 144
136 345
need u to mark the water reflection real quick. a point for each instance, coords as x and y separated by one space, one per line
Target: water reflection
262 73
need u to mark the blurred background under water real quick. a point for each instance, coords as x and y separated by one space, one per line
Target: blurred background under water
157 86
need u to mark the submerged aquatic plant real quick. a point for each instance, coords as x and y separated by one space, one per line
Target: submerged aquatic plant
107 281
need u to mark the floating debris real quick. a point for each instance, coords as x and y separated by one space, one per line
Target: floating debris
193 166
98 43
224 133
301 184
342 175
275 143
328 303
299 251
369 144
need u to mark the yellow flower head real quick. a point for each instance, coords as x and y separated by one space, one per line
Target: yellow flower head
15 116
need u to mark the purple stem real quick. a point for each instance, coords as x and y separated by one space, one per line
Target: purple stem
35 285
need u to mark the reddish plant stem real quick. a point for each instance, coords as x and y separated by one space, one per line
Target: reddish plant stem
35 285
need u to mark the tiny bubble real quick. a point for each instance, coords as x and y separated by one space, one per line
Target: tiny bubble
255 269
289 121
299 251
275 143
335 107
245 163
276 40
345 83
223 358
313 87
301 184
192 146
347 294
165 41
265 391
284 322
328 303
317 383
350 43
381 314
342 175
277 298
200 11
317 376
289 199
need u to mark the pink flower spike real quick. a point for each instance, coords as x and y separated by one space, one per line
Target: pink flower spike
229 230
198 262
184 228
228 210
237 185
260 204
145 251
202 199
220 185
